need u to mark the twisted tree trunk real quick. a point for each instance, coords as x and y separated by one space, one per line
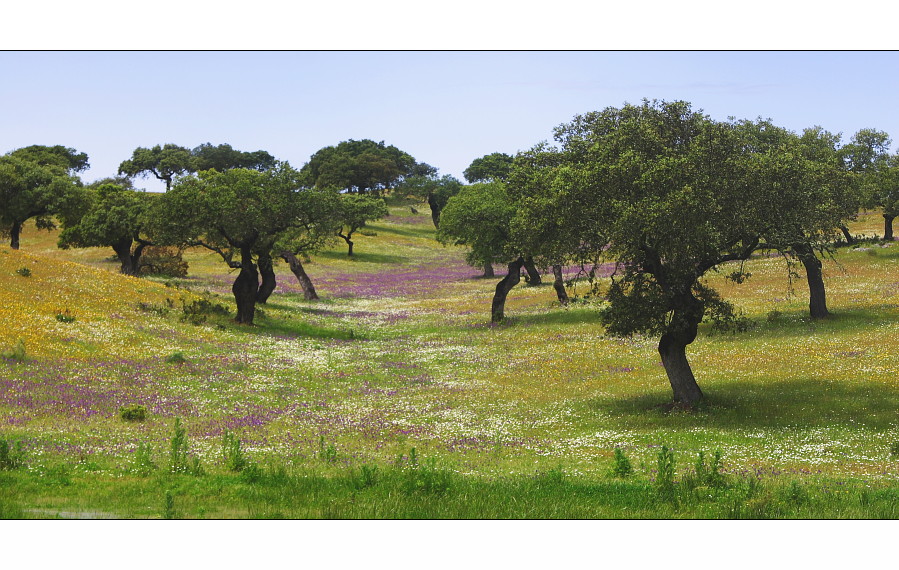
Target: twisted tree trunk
502 290
888 227
682 331
297 268
817 303
129 261
267 271
488 269
849 239
559 285
533 274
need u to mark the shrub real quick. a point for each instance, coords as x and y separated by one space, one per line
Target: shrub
11 456
327 454
178 462
24 272
15 353
133 413
176 358
232 453
163 261
143 460
199 310
622 466
65 317
664 482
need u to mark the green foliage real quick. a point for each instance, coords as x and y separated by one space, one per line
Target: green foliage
366 477
143 460
178 457
65 317
133 413
359 166
622 465
24 272
176 358
328 453
355 211
489 168
199 310
163 162
232 452
894 449
168 509
16 353
479 216
426 477
11 456
163 261
664 482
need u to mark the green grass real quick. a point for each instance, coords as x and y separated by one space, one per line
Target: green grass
513 421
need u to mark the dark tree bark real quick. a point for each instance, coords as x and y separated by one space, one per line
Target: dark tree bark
488 270
817 297
888 227
559 285
267 271
533 274
14 233
435 209
245 287
349 243
849 239
502 290
673 349
297 268
129 260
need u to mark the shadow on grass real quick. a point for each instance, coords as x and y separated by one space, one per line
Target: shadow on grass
425 231
266 326
806 403
364 257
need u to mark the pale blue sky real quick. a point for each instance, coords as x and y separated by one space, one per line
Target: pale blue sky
444 108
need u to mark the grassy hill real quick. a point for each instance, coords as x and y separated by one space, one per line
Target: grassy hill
397 371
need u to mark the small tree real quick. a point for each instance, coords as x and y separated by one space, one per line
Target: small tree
362 166
238 214
354 212
116 217
163 162
38 182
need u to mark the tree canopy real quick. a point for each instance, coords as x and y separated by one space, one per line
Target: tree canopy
37 182
168 161
114 215
362 166
492 167
356 210
239 214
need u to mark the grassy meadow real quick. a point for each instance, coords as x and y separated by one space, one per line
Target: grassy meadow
393 396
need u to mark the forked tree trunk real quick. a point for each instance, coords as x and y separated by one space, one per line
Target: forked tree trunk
533 274
888 227
267 271
559 285
502 290
817 302
297 268
673 349
849 239
14 232
129 261
488 269
245 287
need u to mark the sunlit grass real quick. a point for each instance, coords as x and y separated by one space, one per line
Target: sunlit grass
399 353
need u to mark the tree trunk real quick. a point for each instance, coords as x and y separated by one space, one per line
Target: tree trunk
14 234
349 243
849 239
533 274
488 269
297 268
673 350
435 209
502 290
267 271
128 264
559 285
817 297
888 227
245 287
